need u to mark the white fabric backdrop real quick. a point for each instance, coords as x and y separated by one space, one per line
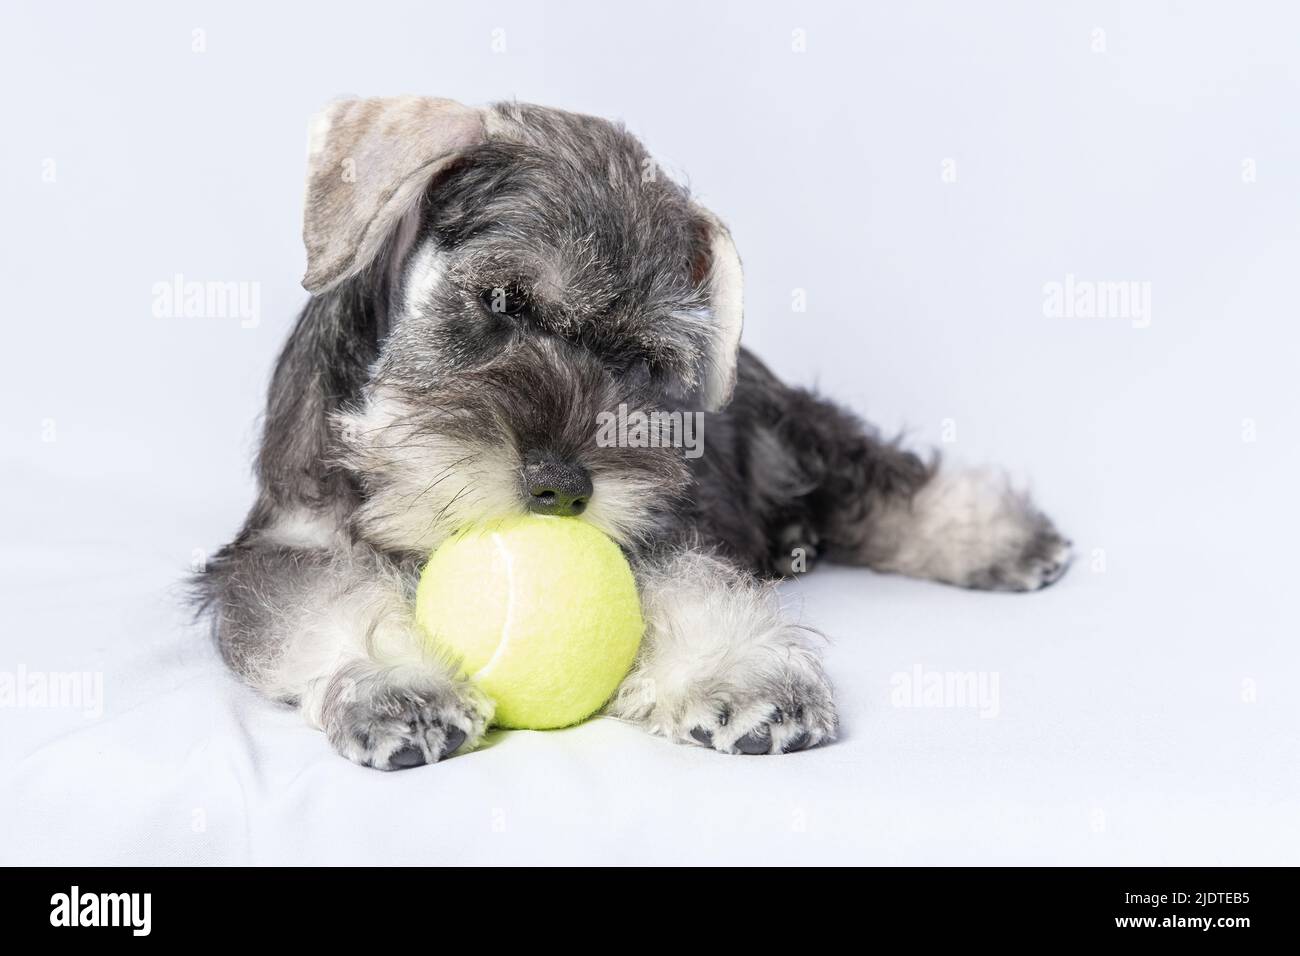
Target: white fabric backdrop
1146 708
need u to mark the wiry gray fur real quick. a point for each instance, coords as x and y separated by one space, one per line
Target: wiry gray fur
402 408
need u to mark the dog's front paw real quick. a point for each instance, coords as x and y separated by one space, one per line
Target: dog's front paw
777 702
400 718
777 714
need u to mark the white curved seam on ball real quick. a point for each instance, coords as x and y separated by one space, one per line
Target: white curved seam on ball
510 607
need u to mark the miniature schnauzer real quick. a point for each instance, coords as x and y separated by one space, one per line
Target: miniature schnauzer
485 285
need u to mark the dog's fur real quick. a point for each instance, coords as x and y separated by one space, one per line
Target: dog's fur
409 401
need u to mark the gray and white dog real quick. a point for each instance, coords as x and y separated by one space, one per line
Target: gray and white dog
485 284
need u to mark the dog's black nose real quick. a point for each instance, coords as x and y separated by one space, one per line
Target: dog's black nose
557 488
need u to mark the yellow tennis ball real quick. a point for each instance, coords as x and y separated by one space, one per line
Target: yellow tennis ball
541 611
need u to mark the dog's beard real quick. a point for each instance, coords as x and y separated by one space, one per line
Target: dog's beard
434 461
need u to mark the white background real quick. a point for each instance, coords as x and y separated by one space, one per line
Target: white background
1147 710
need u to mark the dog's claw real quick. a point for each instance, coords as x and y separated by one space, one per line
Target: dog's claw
797 743
703 736
755 743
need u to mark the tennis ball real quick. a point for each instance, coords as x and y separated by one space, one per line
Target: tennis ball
542 612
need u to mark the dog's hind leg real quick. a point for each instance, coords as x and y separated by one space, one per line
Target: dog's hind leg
831 488
969 528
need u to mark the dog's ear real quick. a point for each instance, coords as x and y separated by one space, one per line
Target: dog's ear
716 266
369 161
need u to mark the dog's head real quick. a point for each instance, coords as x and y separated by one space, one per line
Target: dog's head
528 272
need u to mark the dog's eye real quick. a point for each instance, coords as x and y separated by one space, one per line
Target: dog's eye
504 300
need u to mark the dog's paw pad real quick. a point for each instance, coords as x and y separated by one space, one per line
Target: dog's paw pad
455 737
406 758
754 743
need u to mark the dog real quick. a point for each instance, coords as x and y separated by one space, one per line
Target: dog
486 284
